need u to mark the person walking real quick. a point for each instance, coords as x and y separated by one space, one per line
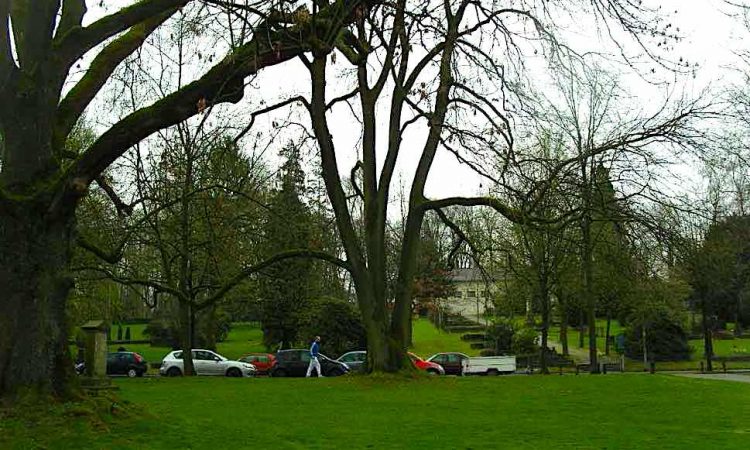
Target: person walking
314 353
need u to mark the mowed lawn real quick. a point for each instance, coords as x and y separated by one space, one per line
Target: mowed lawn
529 412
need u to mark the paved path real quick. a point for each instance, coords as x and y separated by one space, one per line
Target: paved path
740 377
579 355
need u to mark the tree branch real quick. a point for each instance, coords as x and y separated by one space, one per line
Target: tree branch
123 209
113 257
135 281
511 214
73 12
76 42
267 109
101 69
247 272
222 83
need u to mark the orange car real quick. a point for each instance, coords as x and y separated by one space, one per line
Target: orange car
262 361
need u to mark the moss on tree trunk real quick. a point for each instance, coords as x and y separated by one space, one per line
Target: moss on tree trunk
35 254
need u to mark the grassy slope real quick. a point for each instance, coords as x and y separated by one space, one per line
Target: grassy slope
616 411
615 329
429 340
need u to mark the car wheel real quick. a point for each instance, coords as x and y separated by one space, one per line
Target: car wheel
335 372
132 373
174 372
234 372
493 372
433 372
279 373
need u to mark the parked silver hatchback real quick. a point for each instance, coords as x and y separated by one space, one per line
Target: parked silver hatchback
205 362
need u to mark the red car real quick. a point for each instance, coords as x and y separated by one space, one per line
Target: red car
262 361
427 366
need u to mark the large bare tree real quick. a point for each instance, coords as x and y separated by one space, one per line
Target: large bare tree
454 68
41 181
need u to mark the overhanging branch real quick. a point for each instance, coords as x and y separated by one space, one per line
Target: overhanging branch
99 72
252 270
76 42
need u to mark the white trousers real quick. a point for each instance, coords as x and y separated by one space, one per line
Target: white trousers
314 364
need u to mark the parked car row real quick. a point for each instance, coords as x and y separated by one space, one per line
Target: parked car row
294 363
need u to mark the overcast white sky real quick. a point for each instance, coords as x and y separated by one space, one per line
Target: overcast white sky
711 38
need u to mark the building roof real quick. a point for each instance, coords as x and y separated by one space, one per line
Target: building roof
467 274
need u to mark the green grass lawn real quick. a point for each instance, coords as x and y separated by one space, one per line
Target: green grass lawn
729 347
614 330
429 340
584 412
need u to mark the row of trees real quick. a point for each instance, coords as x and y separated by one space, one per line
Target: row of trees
454 73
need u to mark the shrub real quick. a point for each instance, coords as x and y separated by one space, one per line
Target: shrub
666 341
525 341
211 327
339 324
500 334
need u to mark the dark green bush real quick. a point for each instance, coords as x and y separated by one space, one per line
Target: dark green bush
666 340
338 323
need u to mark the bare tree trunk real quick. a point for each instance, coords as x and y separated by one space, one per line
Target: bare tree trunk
581 327
564 327
588 290
545 306
35 252
606 339
708 345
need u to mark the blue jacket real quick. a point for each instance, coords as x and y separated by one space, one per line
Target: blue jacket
314 348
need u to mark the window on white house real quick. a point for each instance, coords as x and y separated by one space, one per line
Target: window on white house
471 294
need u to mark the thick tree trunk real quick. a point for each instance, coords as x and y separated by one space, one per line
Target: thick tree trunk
383 352
35 253
186 323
